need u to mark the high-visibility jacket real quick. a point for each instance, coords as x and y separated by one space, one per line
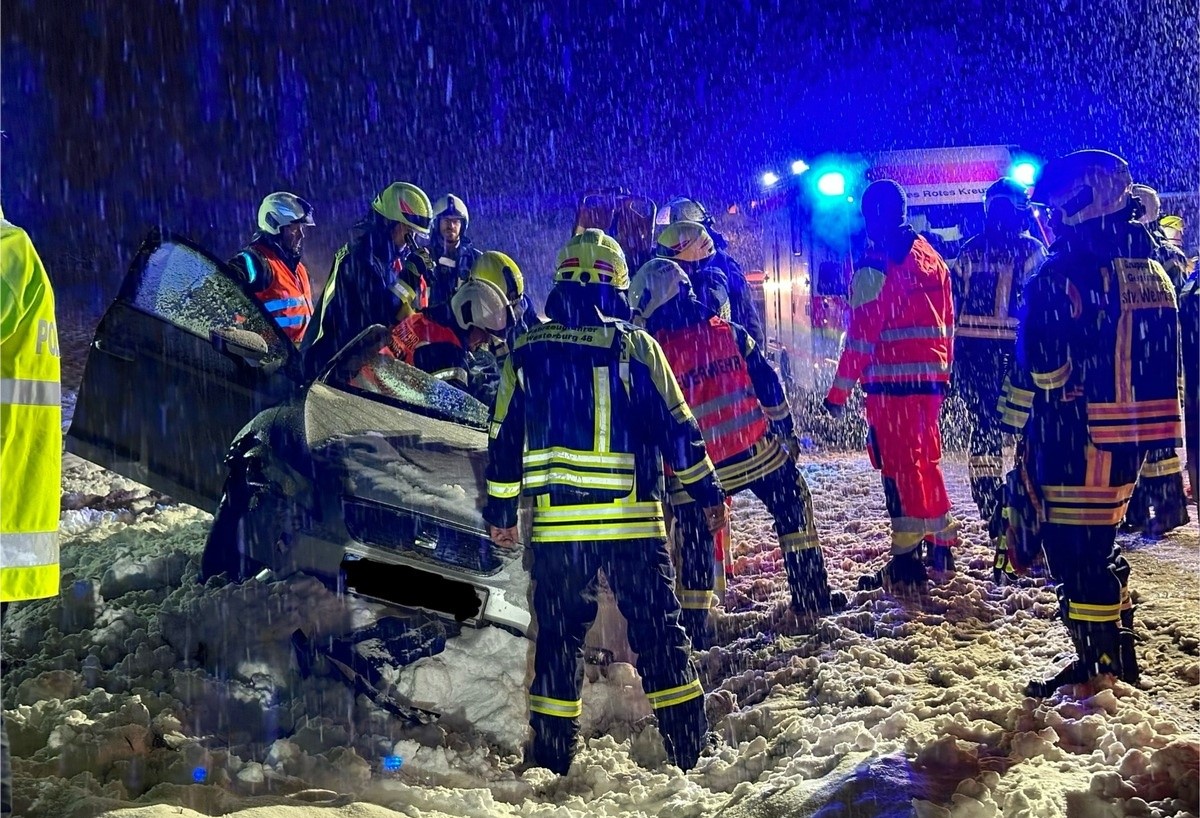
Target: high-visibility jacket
428 340
1100 324
583 419
285 292
898 342
731 388
30 423
988 277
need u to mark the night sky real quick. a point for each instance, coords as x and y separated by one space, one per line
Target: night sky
121 114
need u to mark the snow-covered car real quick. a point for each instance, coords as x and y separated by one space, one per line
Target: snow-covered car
368 476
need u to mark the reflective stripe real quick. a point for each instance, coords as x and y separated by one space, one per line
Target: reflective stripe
843 383
503 491
691 600
596 511
606 531
799 541
290 320
968 320
456 373
1093 613
1167 407
890 370
1087 494
29 392
574 457
251 269
780 412
857 345
283 303
909 333
990 333
1162 468
697 472
556 707
586 480
1053 380
710 407
1020 397
602 407
675 695
26 550
733 424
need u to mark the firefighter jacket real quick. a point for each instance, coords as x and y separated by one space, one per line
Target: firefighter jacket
1100 324
370 282
1173 260
30 423
583 420
733 392
898 342
430 341
742 310
280 284
988 277
450 268
1189 341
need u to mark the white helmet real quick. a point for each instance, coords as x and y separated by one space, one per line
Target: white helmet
1151 204
479 303
281 209
657 282
684 208
453 207
1085 185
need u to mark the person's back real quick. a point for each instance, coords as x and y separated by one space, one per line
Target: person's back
430 340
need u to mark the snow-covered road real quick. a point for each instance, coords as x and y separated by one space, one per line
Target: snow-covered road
140 687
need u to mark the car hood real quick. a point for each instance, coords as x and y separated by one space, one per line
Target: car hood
391 455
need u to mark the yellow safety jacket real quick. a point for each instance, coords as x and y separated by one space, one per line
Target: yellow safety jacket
30 423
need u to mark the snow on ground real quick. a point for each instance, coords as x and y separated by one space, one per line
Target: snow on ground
141 693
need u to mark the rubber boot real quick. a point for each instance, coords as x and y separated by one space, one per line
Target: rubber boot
1097 651
684 729
553 745
809 584
902 572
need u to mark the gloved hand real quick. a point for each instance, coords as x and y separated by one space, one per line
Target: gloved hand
835 410
793 446
717 517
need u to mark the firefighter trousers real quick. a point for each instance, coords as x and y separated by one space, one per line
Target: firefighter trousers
979 368
1084 493
905 445
785 494
642 580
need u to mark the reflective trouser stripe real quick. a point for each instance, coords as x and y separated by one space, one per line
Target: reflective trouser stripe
561 708
30 392
695 600
907 532
1162 468
1093 613
799 541
675 695
24 550
985 465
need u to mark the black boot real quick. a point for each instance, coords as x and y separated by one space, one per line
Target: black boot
1137 513
1170 505
1130 672
902 572
1097 651
809 584
684 729
553 745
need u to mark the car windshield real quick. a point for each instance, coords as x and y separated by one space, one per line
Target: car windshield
393 380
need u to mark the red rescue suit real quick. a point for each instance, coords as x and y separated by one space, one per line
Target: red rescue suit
899 346
428 340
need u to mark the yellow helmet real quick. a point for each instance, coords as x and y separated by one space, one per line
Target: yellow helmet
656 283
685 241
499 270
405 203
1085 185
592 257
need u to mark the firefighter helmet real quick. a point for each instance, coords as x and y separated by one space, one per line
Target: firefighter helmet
685 208
1172 227
281 209
451 206
592 257
405 203
657 282
1151 204
1085 185
479 303
501 272
686 241
1007 188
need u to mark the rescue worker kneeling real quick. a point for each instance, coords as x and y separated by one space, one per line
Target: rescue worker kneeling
587 411
438 339
745 418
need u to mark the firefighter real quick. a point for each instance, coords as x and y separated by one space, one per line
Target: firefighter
898 345
1189 338
588 409
439 339
450 247
1096 366
1158 504
988 276
742 310
377 278
270 265
30 437
748 430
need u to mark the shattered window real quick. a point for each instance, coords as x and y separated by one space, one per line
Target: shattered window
385 375
184 287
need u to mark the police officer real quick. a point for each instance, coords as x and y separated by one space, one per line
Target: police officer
898 345
987 278
270 266
378 278
1096 362
587 411
748 429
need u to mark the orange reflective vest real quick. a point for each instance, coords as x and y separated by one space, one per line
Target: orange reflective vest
288 296
430 346
712 373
